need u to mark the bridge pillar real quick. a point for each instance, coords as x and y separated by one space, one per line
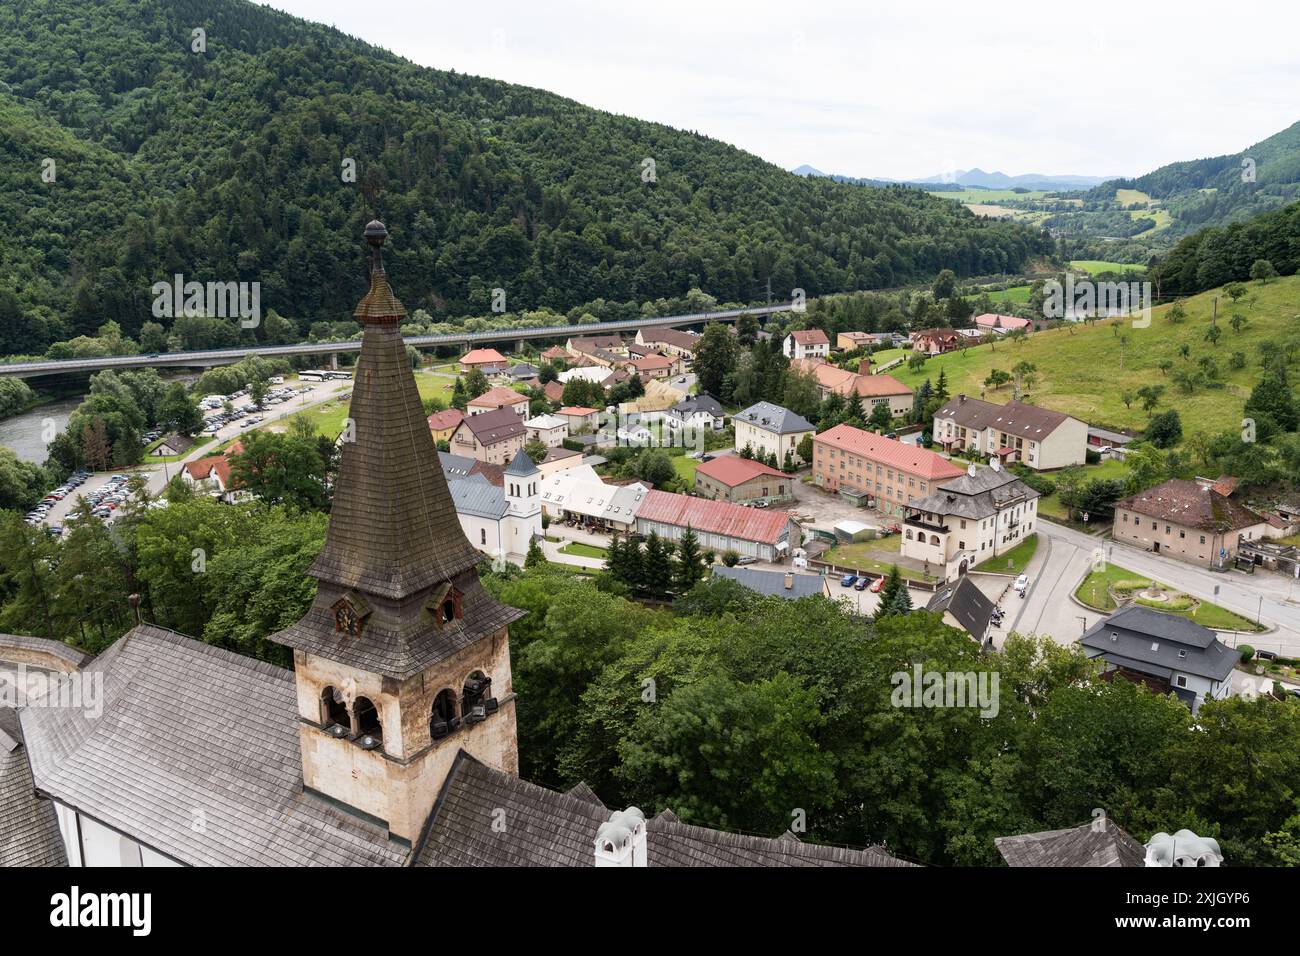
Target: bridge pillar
334 360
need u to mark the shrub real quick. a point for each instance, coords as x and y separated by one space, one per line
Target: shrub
730 558
1247 652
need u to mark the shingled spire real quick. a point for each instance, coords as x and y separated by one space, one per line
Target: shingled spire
394 548
393 528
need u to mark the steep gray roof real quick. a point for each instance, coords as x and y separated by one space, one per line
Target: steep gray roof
522 465
477 496
774 418
455 466
196 756
699 403
977 496
29 827
1107 845
1149 641
545 828
967 603
772 583
64 653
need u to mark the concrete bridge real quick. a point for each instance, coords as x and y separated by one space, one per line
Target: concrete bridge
330 350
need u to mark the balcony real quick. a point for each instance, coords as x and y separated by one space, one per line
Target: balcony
924 523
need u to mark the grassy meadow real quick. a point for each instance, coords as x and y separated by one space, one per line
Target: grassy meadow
1079 367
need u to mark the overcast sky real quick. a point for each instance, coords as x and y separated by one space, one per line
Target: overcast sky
893 89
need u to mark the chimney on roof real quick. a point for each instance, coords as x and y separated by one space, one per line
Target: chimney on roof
789 581
621 840
864 367
961 399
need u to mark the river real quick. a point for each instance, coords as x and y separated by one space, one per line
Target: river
26 433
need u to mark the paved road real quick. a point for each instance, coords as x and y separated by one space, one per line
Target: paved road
1064 556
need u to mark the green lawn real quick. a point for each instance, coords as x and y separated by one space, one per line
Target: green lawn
685 468
1093 592
584 550
1015 560
1098 266
1079 373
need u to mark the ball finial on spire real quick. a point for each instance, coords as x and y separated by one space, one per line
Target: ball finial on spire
375 235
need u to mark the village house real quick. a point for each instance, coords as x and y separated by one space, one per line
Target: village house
770 430
1167 653
969 520
889 474
550 430
609 347
214 475
652 366
599 374
522 373
443 424
580 418
874 389
762 534
806 344
559 459
556 354
493 436
1001 324
1015 432
736 479
1195 521
935 341
173 444
669 341
498 397
852 341
697 411
487 361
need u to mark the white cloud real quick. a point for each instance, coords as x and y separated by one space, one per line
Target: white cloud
884 89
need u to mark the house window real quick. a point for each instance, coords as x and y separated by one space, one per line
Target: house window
443 717
1180 680
482 535
1202 539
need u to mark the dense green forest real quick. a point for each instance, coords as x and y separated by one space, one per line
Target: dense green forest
229 165
1266 246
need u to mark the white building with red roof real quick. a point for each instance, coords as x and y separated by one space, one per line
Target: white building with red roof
488 361
891 474
214 475
498 397
807 343
993 322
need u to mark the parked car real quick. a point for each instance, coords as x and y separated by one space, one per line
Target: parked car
1022 583
877 584
862 583
848 580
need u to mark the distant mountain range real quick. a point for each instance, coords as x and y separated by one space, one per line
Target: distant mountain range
972 179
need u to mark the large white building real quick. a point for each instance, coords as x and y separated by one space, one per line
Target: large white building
1014 432
969 520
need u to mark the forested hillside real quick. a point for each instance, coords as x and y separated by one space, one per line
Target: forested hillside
227 165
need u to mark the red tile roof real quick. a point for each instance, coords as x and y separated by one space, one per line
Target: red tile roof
1188 504
896 454
843 382
447 418
577 411
554 391
993 320
732 470
483 357
714 517
810 337
651 363
498 397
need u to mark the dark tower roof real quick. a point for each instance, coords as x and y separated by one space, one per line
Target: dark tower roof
393 535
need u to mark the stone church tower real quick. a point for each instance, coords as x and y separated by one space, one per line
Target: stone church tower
403 659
